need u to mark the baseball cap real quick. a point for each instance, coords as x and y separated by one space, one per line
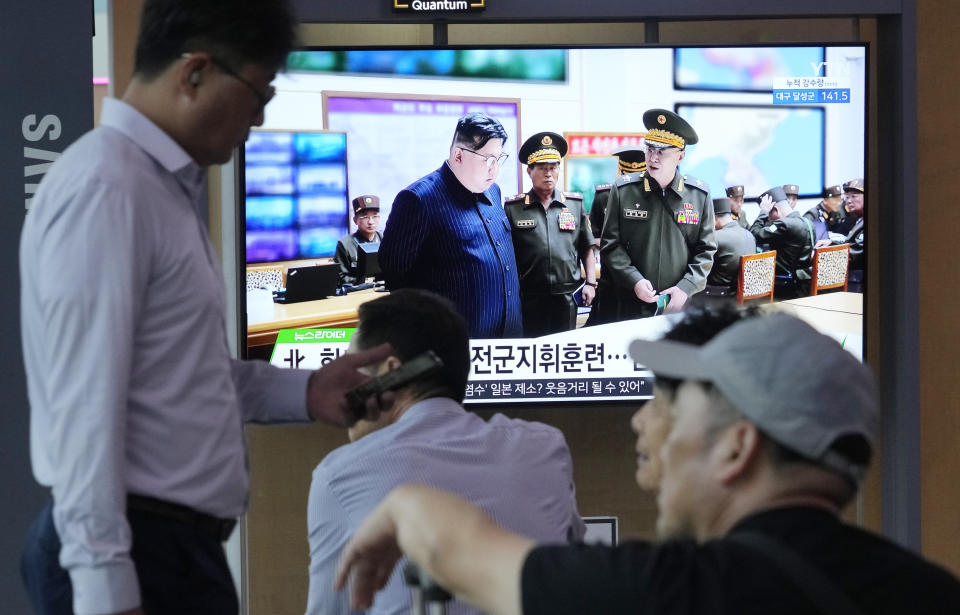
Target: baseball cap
827 394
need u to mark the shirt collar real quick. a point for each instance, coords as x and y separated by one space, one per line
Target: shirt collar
130 122
459 190
533 199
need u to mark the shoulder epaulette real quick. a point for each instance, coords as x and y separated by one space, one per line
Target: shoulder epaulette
602 187
693 182
516 197
628 178
573 195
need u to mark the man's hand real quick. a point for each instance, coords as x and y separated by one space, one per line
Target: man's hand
766 203
677 299
823 243
645 292
328 387
588 292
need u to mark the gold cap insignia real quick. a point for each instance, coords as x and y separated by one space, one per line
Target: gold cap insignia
661 119
546 140
368 200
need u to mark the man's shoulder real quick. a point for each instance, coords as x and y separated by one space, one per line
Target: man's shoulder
628 178
697 185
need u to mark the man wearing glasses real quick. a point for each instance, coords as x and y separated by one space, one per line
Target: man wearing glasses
448 233
366 215
136 402
658 239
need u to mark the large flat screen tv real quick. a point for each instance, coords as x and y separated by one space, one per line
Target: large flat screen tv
398 108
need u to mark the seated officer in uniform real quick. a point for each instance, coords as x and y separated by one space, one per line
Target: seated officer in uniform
733 241
827 213
629 160
852 206
735 194
793 193
756 469
551 237
855 237
780 228
366 215
658 240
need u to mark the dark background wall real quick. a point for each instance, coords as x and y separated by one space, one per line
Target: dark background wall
47 70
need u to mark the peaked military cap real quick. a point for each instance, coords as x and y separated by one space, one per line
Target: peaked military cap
734 191
721 206
630 159
777 194
832 191
854 185
366 201
667 129
543 147
791 189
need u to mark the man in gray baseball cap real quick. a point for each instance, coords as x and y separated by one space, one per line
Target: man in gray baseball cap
756 470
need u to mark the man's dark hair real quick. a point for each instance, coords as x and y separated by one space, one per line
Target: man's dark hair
474 130
237 32
414 321
699 326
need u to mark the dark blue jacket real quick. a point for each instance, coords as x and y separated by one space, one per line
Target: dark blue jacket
444 238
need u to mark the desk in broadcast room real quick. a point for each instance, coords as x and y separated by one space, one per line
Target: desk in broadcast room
265 322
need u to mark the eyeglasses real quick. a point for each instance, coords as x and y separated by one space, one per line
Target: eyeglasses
262 97
489 160
369 217
659 151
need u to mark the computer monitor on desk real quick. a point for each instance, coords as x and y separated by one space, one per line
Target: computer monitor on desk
309 283
368 262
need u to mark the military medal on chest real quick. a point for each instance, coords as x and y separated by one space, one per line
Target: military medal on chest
688 215
566 220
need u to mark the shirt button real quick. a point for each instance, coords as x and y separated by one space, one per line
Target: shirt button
508 267
498 243
509 292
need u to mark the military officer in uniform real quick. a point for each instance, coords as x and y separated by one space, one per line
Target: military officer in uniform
733 241
551 237
780 228
366 215
793 193
852 206
658 240
735 194
827 213
829 210
629 160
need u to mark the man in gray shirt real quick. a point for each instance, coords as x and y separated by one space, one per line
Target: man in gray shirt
519 472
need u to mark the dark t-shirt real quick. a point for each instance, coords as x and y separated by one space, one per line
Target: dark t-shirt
722 577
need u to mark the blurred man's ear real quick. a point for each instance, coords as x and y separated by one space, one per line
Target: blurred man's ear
736 450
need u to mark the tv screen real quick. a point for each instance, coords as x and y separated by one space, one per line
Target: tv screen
766 116
296 194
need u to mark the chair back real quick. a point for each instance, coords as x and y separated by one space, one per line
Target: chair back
270 278
831 266
756 276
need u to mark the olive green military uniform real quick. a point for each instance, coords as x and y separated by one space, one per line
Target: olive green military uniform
548 243
598 210
664 236
831 219
601 312
733 241
742 221
792 237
